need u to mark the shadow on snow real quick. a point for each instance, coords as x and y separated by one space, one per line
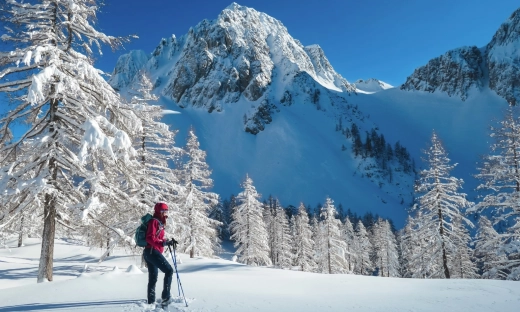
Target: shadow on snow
55 306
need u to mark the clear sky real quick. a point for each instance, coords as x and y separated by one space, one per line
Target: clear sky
384 39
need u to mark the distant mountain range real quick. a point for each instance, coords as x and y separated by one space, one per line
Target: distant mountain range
263 104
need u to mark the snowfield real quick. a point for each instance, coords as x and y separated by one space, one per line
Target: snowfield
223 285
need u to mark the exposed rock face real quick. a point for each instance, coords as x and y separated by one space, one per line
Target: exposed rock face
127 67
455 73
323 69
496 66
235 56
503 59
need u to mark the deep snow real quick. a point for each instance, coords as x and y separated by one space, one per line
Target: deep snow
222 285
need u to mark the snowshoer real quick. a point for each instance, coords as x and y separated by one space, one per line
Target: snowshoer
153 254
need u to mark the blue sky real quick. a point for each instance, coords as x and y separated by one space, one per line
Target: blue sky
384 39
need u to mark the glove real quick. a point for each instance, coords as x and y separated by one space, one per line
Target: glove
171 242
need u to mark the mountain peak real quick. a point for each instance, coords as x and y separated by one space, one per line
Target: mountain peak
238 55
233 6
371 85
509 31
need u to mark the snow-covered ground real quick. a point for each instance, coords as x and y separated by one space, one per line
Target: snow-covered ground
222 285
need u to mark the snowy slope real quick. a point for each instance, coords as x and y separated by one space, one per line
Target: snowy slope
463 126
371 85
222 285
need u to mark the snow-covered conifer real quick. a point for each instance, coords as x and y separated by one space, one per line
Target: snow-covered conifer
462 261
330 245
408 245
72 114
364 264
269 214
490 257
500 175
303 243
349 235
282 238
197 232
248 227
155 147
439 205
218 213
386 256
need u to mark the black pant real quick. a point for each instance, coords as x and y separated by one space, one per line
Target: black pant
155 260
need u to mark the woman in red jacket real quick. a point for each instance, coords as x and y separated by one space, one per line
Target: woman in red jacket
153 254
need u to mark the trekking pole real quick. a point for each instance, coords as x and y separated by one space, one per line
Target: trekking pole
179 284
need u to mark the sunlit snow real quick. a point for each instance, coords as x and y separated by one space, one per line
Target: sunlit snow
118 284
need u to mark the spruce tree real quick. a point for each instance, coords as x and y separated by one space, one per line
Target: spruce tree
349 235
364 264
197 231
385 249
282 239
330 245
303 242
248 227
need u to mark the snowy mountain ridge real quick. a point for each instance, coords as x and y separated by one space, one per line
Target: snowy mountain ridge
254 78
458 71
371 85
228 57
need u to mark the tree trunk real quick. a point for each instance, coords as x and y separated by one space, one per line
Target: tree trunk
444 257
49 210
49 230
20 234
108 244
328 246
192 252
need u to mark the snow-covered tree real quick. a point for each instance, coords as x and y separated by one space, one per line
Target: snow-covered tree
269 213
349 235
462 265
228 207
490 257
155 146
408 245
76 124
330 246
248 227
500 176
439 205
218 213
282 238
197 231
364 265
386 256
303 243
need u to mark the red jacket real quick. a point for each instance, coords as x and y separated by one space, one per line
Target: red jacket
155 234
